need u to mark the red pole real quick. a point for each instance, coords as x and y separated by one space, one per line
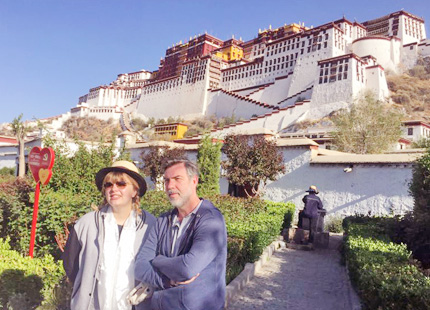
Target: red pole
33 224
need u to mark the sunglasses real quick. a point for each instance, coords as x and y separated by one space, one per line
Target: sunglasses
119 184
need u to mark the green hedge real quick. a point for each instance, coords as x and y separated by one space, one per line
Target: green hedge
27 283
382 271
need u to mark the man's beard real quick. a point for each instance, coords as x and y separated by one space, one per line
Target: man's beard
180 200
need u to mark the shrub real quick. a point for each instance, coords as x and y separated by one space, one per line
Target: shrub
333 224
156 157
209 161
252 224
7 171
69 194
380 269
14 195
251 162
56 209
418 230
26 283
155 202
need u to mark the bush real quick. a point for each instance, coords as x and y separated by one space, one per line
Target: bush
7 171
333 224
69 194
14 195
26 283
380 269
209 161
56 209
418 227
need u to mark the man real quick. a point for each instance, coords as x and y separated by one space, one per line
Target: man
312 205
185 255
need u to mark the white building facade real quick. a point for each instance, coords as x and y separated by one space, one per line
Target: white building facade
328 66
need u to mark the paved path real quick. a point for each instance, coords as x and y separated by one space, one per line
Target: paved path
300 280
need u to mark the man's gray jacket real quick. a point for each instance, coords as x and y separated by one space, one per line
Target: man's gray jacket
82 254
201 249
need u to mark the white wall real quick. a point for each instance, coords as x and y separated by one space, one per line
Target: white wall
225 105
376 82
424 48
180 100
379 189
8 155
386 51
276 121
275 92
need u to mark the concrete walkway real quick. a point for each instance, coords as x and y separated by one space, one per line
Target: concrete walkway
300 280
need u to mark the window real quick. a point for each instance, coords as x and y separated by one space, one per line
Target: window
410 131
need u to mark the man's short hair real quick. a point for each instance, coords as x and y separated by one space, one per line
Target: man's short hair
191 167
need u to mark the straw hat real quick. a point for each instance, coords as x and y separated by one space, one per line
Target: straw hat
125 167
312 189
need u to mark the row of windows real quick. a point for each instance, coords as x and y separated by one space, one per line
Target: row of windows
131 93
333 71
243 69
295 43
162 86
360 73
281 59
242 75
413 28
166 128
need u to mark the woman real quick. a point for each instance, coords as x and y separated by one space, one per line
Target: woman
101 248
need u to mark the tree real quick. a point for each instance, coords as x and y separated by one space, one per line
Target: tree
154 159
251 162
368 127
20 131
209 161
421 143
418 222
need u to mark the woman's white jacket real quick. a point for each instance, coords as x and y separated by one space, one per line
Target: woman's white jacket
83 257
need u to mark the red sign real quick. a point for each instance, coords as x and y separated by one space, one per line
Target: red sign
40 162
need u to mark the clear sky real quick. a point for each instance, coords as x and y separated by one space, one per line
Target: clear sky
53 51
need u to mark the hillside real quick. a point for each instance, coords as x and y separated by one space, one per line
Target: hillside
411 91
90 128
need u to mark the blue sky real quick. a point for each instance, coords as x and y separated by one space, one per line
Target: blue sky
53 51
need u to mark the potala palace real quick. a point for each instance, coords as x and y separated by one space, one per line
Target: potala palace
282 76
279 78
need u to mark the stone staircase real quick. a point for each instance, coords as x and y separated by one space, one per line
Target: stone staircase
125 122
295 95
246 99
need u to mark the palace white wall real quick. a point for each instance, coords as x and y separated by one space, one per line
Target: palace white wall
275 92
386 51
376 82
181 100
276 121
424 48
8 155
225 105
379 189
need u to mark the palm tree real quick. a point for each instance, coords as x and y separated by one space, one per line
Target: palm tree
20 131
